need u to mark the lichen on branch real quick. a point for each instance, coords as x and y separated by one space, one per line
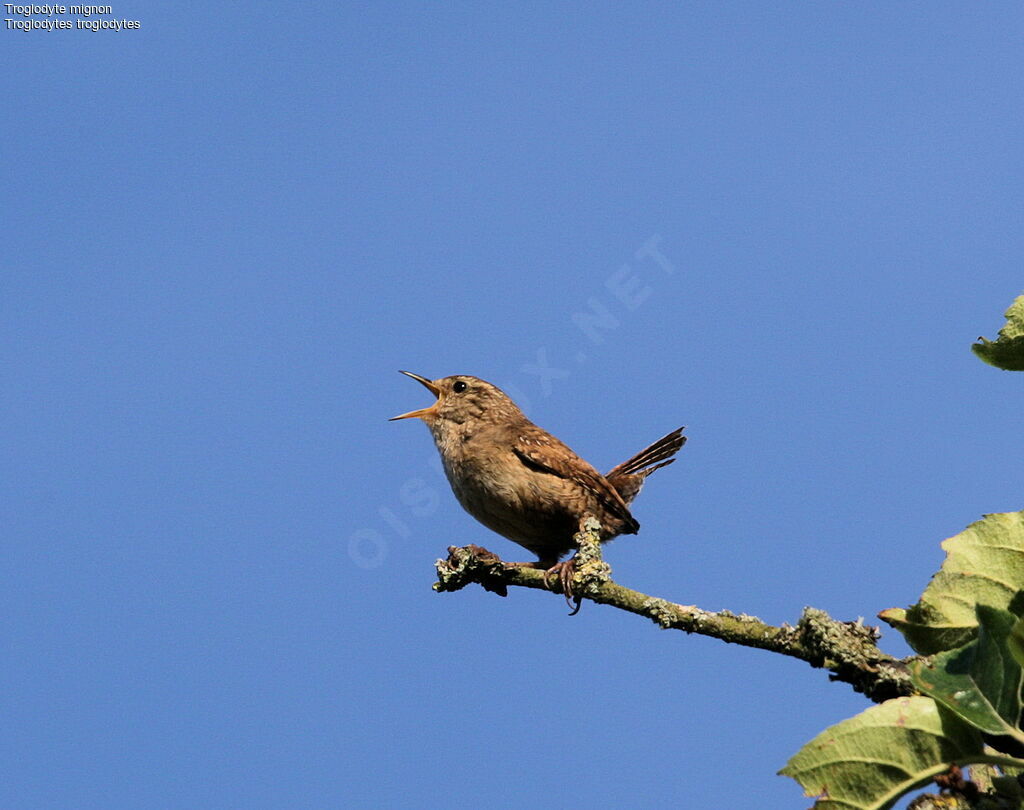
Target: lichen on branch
847 649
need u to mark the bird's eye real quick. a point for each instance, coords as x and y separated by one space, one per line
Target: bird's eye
459 386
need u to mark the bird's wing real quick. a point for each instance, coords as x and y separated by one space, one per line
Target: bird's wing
545 453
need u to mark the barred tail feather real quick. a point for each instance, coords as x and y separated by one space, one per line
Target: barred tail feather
647 460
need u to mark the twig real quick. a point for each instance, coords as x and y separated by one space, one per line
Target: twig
847 649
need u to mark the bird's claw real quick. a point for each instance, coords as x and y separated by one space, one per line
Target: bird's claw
565 571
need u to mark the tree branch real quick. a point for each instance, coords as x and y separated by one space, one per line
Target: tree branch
847 649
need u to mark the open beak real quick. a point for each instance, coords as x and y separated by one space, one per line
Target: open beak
423 412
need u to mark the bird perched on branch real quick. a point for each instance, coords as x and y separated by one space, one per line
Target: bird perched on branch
522 482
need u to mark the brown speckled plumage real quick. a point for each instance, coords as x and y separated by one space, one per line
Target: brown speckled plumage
522 482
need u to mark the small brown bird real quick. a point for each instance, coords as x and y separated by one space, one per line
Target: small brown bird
522 482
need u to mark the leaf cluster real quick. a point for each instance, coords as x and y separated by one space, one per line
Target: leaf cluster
1007 350
969 633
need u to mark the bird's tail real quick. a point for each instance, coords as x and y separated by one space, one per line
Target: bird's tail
629 476
652 458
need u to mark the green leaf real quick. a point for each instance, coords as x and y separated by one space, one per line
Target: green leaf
1009 787
1016 642
980 682
984 565
868 761
1007 352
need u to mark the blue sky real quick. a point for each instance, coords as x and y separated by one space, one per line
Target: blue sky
226 231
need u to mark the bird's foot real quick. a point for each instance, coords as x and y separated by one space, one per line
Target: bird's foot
586 571
565 571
